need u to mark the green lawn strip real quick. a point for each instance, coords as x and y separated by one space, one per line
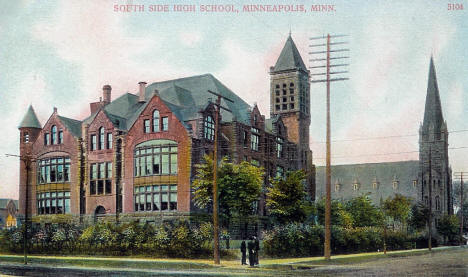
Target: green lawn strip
109 262
311 262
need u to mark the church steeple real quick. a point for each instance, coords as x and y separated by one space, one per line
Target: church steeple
433 110
290 58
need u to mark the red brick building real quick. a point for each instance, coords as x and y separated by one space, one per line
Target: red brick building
135 155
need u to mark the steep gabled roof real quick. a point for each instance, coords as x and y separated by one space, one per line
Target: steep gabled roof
191 94
290 58
433 109
73 125
30 119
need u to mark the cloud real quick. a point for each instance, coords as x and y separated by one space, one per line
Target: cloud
95 39
190 39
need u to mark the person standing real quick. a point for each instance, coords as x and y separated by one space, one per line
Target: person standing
243 249
257 249
251 248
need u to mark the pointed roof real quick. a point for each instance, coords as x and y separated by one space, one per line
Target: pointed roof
73 125
433 109
289 57
30 119
190 95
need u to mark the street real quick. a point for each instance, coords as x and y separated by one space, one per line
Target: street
453 262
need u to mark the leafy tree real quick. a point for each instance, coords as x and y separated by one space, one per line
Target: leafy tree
448 227
363 212
339 216
419 216
286 198
398 208
239 187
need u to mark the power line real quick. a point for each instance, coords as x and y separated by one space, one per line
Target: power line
384 137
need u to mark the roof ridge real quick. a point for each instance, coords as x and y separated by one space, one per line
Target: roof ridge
183 78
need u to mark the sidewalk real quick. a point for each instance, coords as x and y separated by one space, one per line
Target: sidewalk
127 263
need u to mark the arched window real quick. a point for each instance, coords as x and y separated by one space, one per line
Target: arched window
208 130
155 121
101 138
437 203
54 134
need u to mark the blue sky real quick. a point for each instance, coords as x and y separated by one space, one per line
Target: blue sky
62 53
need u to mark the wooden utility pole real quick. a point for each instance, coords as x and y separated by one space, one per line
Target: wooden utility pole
459 175
215 185
328 80
26 159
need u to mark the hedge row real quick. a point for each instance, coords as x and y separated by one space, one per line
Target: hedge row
173 239
299 240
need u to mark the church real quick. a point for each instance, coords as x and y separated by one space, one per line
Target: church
136 155
412 179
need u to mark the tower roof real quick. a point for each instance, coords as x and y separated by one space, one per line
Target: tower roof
289 57
433 109
30 119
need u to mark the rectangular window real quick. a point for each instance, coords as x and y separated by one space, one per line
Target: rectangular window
164 200
254 142
101 178
165 164
109 170
59 173
46 139
156 160
108 186
93 142
279 147
109 141
102 171
92 188
146 126
53 202
173 163
100 187
279 171
165 123
60 138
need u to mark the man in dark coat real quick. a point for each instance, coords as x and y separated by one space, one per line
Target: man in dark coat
257 248
251 248
243 249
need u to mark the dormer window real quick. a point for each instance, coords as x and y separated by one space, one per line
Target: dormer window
415 183
208 128
356 186
54 134
395 184
375 185
337 187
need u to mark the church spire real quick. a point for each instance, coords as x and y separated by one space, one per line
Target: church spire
433 109
290 58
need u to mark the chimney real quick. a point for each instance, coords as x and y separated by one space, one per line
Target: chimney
141 93
106 93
